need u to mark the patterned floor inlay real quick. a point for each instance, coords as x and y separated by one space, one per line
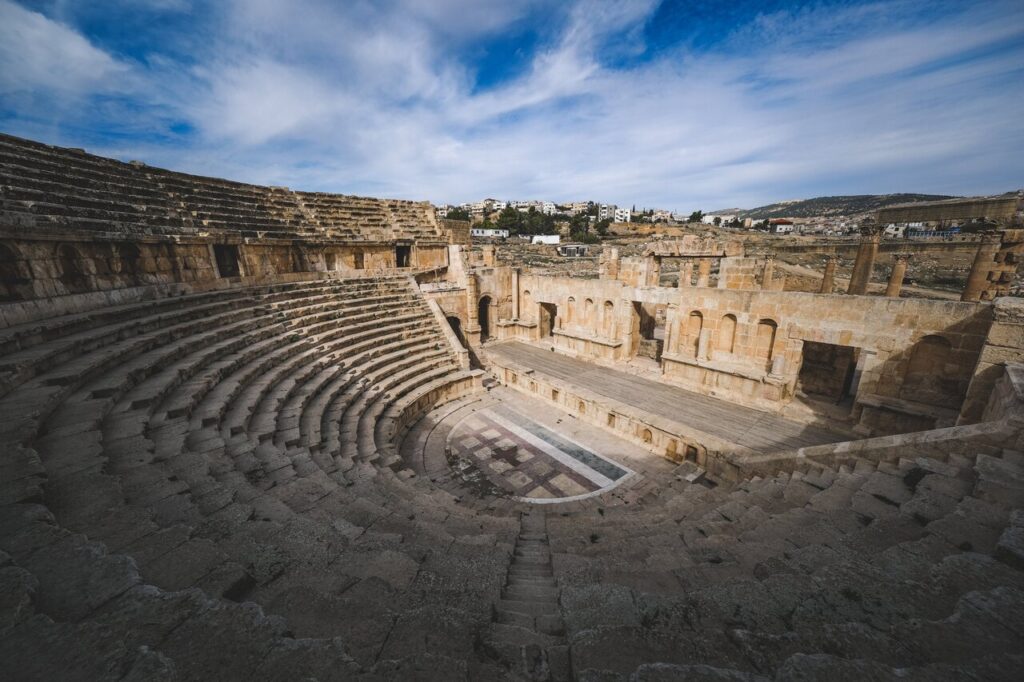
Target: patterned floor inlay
530 461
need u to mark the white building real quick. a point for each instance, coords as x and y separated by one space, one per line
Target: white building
622 215
489 232
499 205
546 239
723 219
548 208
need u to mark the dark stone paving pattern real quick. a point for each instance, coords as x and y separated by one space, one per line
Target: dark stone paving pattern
580 454
760 431
522 470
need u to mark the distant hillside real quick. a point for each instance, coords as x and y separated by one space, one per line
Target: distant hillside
825 206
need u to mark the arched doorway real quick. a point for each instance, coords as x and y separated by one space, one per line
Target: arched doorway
483 317
727 334
456 326
930 377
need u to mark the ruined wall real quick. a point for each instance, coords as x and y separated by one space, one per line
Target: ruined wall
738 273
44 269
994 208
456 231
914 363
34 269
1003 345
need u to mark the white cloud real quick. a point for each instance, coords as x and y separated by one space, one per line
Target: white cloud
377 98
41 55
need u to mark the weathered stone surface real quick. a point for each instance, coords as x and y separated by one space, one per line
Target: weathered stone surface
225 420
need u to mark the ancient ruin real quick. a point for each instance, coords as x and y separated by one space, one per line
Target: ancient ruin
257 433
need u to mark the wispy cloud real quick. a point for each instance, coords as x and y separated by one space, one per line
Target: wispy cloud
384 98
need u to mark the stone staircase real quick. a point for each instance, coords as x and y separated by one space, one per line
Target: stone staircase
528 634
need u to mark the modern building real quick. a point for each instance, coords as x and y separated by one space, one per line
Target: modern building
491 233
622 215
546 239
573 250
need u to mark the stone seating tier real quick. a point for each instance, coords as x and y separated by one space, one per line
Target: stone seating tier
139 455
50 188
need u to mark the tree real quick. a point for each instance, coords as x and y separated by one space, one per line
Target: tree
458 214
717 221
601 227
510 219
579 224
696 217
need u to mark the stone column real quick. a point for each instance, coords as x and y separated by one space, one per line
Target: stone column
984 259
652 271
685 273
625 327
866 254
769 271
899 271
829 280
703 272
515 293
671 322
472 296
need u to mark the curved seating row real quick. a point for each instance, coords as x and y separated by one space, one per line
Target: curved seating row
219 452
235 485
55 188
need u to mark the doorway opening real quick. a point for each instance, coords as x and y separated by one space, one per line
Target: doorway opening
456 326
226 256
548 319
828 371
403 256
484 318
652 329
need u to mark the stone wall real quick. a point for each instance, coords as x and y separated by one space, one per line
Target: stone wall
1004 345
672 440
993 208
37 269
914 357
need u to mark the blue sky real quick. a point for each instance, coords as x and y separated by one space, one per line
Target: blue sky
671 104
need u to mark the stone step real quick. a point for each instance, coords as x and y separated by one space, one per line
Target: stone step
530 593
533 608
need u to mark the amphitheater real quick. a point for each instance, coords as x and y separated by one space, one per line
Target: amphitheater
262 434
